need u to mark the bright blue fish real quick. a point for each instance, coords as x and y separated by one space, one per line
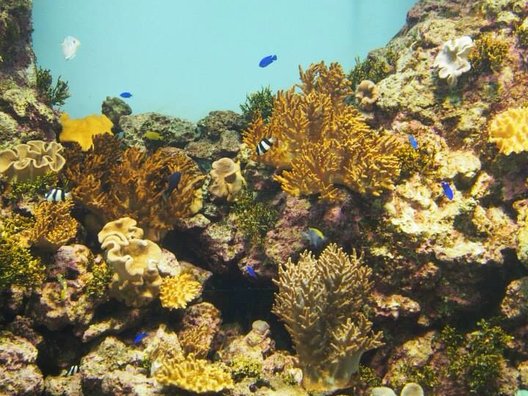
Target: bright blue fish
267 60
413 142
125 94
447 190
251 272
139 337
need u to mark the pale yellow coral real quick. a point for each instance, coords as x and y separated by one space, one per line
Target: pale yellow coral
509 130
323 303
227 179
136 280
367 94
195 375
177 291
54 226
29 160
82 130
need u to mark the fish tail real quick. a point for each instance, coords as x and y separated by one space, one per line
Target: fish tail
274 57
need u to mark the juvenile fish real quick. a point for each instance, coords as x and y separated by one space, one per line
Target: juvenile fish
125 94
315 237
73 370
267 60
57 195
251 271
70 45
172 184
448 192
264 145
139 337
412 141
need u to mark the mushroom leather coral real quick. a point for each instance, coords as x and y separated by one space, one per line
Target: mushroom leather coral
227 180
509 130
136 280
28 160
195 375
82 130
320 140
113 183
177 291
323 304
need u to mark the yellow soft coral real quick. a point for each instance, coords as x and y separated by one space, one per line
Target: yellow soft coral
227 179
177 291
195 375
54 226
321 142
509 130
82 130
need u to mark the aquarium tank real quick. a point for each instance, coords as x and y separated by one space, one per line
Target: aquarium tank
296 198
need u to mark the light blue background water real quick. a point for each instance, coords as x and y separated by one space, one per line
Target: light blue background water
188 57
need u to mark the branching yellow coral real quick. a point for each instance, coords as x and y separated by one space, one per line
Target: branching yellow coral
82 130
177 291
54 226
195 375
321 142
113 183
509 130
323 303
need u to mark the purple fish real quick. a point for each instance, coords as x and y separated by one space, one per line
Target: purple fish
139 337
267 60
251 271
447 190
413 141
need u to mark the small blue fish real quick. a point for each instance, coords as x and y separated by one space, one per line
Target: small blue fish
139 337
125 94
412 141
267 60
315 237
172 184
251 271
447 190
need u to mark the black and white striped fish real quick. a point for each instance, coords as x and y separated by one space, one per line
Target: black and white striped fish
73 370
57 195
264 145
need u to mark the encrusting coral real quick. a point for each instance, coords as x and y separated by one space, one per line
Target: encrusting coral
323 303
509 130
28 160
177 291
136 280
54 226
320 141
195 375
82 130
227 179
200 324
113 183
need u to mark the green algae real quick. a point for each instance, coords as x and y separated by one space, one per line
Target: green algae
259 103
49 94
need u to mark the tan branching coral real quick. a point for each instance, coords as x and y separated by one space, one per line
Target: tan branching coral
200 323
29 160
54 226
320 141
113 183
195 375
509 130
367 94
227 179
323 303
177 291
136 279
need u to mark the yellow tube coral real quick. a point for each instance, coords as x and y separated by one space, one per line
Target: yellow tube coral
323 303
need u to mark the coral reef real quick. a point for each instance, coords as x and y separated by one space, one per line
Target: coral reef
509 130
135 261
322 142
83 130
227 179
32 159
200 324
366 95
113 183
177 291
323 304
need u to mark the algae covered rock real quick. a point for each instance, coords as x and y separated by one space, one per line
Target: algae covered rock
114 108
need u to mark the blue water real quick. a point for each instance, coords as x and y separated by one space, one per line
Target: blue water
188 57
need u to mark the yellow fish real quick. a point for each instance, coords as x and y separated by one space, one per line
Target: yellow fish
151 135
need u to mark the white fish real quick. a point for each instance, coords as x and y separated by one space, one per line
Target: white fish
57 195
70 45
264 145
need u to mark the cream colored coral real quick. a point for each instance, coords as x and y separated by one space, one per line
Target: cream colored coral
136 280
452 60
509 130
227 179
367 94
195 375
29 160
177 291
